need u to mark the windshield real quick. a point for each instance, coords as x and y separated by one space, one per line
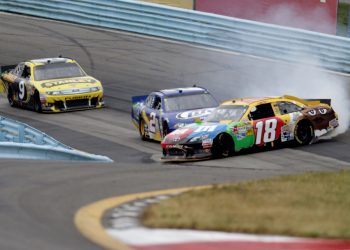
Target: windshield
186 102
57 71
226 112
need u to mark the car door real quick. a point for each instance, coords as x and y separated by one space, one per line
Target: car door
153 107
24 85
17 85
289 113
267 126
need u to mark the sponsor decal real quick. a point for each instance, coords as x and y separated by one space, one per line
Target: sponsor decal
207 143
174 146
193 114
179 134
323 111
241 131
205 128
334 123
68 81
312 112
294 116
287 133
76 98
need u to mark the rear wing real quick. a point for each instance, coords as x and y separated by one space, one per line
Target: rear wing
309 102
138 99
7 68
325 101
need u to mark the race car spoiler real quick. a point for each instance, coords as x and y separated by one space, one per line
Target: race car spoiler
136 99
310 101
6 68
325 101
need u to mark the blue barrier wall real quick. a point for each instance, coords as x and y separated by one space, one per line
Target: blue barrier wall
20 141
264 40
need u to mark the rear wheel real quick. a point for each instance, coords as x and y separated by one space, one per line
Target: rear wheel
304 132
10 97
37 103
222 146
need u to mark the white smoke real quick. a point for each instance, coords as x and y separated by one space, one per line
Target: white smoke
298 15
303 81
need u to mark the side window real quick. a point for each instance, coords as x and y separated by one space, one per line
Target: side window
262 111
287 107
149 101
26 72
19 69
157 104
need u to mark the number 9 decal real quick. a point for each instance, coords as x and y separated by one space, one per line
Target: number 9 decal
22 90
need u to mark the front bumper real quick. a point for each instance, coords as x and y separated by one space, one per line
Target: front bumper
188 152
70 103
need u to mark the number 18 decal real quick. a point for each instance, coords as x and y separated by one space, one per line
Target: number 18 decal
266 131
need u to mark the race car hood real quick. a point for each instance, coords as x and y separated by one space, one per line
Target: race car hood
75 83
181 118
195 133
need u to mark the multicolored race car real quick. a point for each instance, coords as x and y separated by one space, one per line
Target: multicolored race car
51 85
160 112
243 123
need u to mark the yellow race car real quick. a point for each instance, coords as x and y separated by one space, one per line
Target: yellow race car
50 85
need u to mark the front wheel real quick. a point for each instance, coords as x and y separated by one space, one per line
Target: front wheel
142 129
165 129
37 102
222 146
304 133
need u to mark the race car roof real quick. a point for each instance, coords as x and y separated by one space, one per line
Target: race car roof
42 61
183 91
255 100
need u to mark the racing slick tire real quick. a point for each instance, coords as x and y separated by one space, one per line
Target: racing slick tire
37 103
10 97
165 129
304 133
222 146
142 129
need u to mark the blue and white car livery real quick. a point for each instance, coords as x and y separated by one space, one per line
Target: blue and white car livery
161 112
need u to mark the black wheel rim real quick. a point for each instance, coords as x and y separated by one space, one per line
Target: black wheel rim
304 133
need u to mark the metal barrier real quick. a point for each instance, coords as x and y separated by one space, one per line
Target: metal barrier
264 40
18 140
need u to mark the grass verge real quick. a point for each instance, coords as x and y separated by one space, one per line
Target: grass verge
307 205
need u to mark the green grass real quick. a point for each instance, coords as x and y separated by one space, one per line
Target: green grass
308 205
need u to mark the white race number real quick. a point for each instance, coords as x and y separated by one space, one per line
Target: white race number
22 90
265 131
205 129
152 123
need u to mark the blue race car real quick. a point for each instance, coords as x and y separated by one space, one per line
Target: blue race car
161 112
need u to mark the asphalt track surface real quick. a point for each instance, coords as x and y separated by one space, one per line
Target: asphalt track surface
38 199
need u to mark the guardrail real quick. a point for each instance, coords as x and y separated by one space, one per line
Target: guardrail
264 40
18 140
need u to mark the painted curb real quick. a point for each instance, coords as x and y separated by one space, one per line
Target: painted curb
88 219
